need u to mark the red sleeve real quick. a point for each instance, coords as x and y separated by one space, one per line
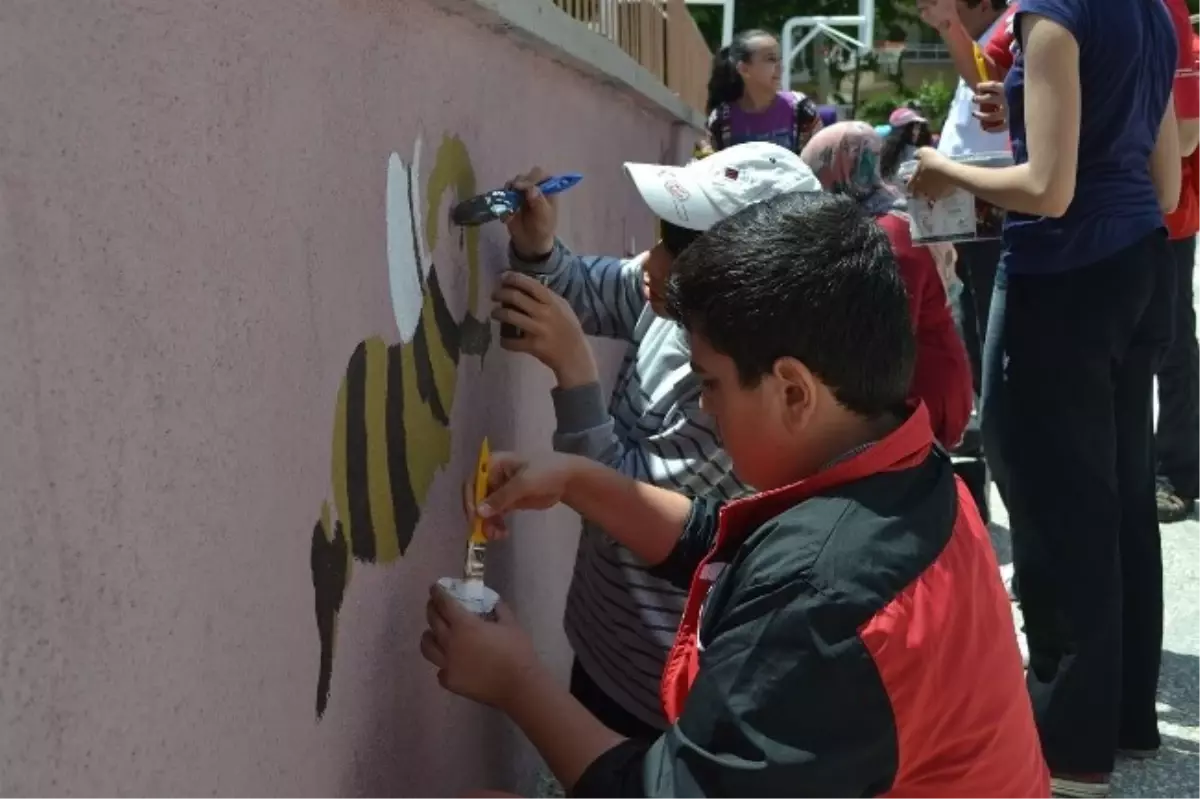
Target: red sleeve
942 377
999 46
1187 70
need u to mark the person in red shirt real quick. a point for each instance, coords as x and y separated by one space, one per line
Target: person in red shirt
845 631
1177 440
997 52
946 17
845 157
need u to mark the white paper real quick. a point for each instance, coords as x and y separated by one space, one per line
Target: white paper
951 218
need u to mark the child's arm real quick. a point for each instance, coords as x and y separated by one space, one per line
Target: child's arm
943 17
684 450
664 528
1045 184
943 381
942 378
605 293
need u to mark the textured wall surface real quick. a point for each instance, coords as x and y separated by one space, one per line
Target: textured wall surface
194 251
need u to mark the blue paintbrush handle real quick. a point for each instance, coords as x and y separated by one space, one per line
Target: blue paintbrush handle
559 183
552 185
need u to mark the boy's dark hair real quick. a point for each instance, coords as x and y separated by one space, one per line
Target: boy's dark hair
807 276
725 84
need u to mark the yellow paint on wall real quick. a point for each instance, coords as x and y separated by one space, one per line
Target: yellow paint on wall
427 442
379 482
341 491
452 168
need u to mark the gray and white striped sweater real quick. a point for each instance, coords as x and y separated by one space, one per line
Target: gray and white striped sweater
620 621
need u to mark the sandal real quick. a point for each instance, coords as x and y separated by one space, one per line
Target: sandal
1082 786
1171 506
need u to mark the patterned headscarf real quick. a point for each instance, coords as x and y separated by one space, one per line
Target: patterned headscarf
845 158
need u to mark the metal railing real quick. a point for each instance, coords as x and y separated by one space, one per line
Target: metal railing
925 52
658 34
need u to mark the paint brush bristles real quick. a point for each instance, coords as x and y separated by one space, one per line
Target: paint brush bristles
473 569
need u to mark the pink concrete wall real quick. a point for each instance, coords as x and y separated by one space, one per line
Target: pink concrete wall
192 244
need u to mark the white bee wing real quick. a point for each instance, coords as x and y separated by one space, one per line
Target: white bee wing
414 199
404 268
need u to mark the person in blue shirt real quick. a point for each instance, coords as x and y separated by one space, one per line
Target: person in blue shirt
1079 323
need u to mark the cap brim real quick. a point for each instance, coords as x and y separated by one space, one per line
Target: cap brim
674 194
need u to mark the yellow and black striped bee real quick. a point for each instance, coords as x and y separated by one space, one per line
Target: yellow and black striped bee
391 429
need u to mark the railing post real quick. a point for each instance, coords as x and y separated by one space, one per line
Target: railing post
660 35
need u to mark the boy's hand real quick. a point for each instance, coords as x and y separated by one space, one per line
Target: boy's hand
518 483
476 658
552 333
993 109
929 180
532 227
938 14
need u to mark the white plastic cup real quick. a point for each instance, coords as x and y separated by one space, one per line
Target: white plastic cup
472 595
958 217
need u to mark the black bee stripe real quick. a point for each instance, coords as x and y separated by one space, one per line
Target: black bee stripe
448 329
426 385
362 532
404 502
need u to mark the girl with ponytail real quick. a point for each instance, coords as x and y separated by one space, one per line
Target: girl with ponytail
745 102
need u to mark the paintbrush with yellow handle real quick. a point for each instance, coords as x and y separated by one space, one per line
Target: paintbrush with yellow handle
984 73
470 592
477 542
981 64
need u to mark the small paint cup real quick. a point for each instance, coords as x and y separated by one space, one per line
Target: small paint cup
472 595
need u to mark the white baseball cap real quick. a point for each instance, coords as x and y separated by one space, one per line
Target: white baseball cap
704 192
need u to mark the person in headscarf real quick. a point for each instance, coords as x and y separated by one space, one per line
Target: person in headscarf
907 130
845 158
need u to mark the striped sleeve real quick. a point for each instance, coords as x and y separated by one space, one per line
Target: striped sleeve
684 454
605 292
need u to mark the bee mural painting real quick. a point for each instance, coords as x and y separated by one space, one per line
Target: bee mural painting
391 429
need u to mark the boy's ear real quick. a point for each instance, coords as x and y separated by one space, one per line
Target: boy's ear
799 387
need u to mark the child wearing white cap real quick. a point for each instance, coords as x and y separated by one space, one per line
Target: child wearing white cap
619 620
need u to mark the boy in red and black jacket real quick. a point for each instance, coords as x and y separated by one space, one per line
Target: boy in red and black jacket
846 631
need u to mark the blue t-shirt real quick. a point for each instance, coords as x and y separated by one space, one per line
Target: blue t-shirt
1127 54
